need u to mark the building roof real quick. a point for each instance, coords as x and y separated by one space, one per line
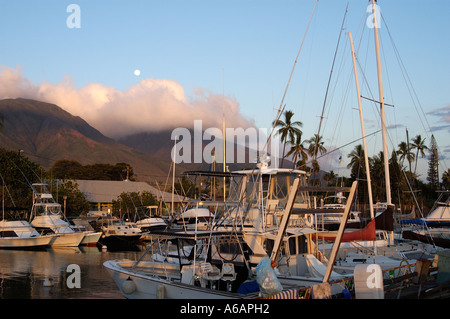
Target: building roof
107 191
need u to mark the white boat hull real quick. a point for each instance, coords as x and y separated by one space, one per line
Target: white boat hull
69 239
90 238
27 242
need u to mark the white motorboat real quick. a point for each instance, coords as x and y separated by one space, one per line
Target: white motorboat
47 217
164 278
19 234
53 224
91 237
196 217
118 233
151 222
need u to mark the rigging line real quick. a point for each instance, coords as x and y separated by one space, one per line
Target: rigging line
329 80
7 190
281 107
340 113
387 77
407 79
26 179
410 88
345 145
340 116
347 88
374 100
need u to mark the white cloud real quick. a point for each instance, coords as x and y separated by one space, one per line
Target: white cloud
149 105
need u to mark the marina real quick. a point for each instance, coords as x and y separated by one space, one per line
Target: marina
246 217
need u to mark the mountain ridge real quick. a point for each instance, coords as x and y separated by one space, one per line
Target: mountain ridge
47 133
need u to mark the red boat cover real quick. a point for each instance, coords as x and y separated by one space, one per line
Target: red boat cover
366 233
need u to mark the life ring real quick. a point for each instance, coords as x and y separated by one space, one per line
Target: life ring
309 220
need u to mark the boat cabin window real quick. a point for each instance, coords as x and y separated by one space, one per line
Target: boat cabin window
8 233
297 245
269 243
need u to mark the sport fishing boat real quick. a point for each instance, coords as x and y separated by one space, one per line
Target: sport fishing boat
47 217
19 234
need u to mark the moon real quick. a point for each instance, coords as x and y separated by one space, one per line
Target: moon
137 72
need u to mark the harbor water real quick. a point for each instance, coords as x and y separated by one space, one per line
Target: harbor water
59 273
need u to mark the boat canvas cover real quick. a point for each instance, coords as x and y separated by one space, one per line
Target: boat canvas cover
366 233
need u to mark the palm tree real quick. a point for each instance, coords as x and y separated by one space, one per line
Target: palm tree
330 177
316 169
419 144
377 175
357 162
298 148
405 153
316 146
288 130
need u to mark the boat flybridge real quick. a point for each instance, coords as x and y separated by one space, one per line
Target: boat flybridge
47 217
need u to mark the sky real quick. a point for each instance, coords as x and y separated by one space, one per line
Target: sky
142 65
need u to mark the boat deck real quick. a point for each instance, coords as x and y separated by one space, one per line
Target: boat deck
153 269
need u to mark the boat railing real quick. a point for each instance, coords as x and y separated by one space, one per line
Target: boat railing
158 247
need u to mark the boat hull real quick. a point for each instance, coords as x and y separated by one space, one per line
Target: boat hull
134 285
91 239
27 242
427 238
68 239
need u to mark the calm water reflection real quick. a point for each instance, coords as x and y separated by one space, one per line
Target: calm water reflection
23 273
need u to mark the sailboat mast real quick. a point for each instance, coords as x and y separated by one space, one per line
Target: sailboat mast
363 131
366 156
383 121
173 173
224 135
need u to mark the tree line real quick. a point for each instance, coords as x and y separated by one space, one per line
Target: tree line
18 173
69 169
